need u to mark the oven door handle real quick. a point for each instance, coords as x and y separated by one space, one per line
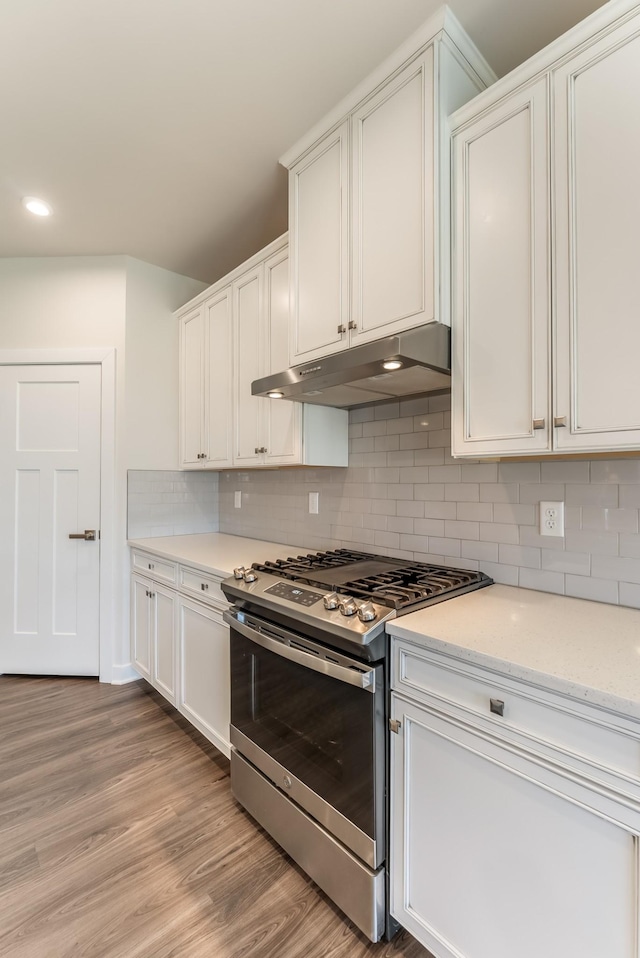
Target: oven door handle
363 677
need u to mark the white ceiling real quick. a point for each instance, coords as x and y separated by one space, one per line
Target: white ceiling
154 127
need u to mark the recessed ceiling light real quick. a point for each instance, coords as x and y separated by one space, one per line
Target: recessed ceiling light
392 364
275 394
36 206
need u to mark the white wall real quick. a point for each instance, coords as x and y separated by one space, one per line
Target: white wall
151 363
83 302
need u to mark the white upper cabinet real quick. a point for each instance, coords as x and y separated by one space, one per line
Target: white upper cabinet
218 329
597 212
393 191
368 198
205 384
282 419
547 203
192 380
248 365
233 333
502 326
319 205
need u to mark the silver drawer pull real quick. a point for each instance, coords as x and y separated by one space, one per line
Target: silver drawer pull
538 423
496 706
559 421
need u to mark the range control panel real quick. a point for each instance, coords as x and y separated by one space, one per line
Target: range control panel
285 590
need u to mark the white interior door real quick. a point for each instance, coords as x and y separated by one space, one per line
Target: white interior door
49 489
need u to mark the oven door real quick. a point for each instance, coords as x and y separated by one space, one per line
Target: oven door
312 720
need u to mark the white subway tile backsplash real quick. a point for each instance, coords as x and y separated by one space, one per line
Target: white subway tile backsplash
564 472
605 496
460 529
499 532
519 555
554 560
616 567
599 519
404 495
587 587
619 471
541 581
520 472
630 546
474 511
171 503
461 491
630 594
597 543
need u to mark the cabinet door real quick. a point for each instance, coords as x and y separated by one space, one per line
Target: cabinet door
393 206
204 671
597 159
163 641
489 862
192 356
248 365
501 309
141 625
219 412
282 419
318 242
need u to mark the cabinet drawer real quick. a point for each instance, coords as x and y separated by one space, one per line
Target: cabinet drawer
202 584
536 718
150 565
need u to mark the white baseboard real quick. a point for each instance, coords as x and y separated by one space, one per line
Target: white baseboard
123 674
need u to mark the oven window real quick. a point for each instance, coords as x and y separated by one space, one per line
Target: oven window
320 729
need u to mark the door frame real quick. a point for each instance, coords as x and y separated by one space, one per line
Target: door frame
106 358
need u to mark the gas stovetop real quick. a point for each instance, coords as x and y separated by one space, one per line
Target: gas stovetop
345 594
398 584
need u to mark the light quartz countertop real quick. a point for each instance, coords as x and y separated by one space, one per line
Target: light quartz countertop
587 650
216 552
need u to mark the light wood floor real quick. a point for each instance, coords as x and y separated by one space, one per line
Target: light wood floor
119 838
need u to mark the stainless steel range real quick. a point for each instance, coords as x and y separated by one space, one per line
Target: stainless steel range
309 707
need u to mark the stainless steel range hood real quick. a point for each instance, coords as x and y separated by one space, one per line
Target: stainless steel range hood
358 375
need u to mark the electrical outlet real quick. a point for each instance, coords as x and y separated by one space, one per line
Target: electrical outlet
314 502
237 500
552 518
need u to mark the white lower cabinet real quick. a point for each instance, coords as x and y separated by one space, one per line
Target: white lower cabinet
204 670
500 850
153 618
181 645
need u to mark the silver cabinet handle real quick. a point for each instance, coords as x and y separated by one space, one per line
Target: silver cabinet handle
496 706
353 325
538 423
342 329
89 535
559 421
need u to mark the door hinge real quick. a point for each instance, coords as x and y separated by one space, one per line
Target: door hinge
395 725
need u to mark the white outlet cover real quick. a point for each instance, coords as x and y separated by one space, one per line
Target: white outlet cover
552 519
237 500
314 503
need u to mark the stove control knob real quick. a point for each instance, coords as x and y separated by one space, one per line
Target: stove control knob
366 612
348 605
331 601
249 575
239 572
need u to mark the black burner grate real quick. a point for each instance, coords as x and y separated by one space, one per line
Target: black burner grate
396 583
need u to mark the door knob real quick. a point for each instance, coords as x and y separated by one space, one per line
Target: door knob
89 535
